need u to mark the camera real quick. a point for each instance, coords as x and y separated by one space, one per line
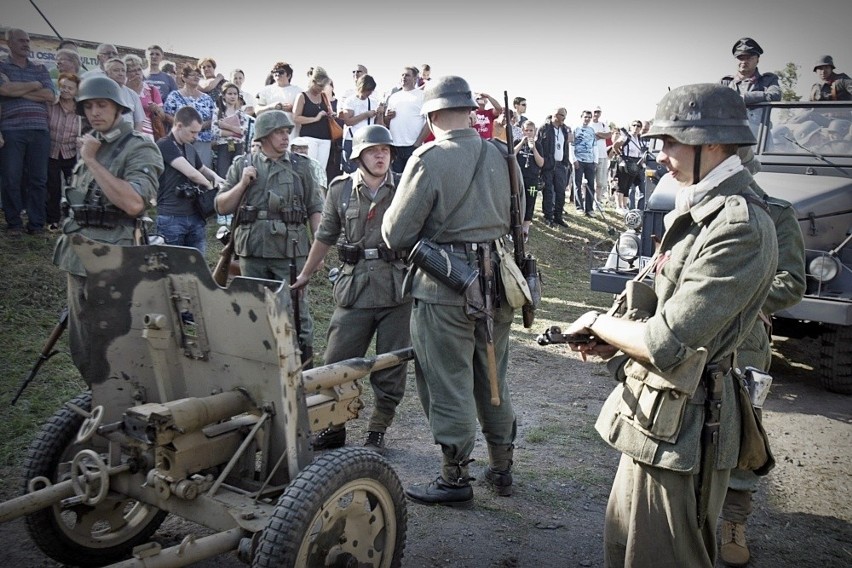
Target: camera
187 190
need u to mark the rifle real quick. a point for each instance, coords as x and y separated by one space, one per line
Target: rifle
46 352
223 265
488 278
525 261
294 293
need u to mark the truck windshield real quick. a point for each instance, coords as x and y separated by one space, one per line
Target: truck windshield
825 131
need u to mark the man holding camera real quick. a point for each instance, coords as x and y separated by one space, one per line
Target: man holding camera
184 176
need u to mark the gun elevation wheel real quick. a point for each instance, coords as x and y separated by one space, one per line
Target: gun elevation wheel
345 509
81 534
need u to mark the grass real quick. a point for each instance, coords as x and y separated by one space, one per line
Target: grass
32 295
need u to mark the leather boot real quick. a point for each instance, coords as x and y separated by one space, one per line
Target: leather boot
734 549
452 488
499 472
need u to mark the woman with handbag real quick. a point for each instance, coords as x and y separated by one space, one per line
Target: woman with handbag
315 118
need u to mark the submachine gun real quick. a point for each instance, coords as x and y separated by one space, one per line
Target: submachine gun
525 261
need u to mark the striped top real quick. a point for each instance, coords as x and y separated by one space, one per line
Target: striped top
18 113
64 129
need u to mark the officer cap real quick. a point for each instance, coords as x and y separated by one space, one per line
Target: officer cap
269 121
704 113
100 87
824 60
373 135
447 92
746 45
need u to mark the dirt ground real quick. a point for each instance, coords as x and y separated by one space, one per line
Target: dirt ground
563 470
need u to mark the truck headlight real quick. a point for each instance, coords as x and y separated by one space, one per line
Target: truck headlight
627 247
824 268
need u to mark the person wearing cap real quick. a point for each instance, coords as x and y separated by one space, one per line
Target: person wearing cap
752 85
367 290
830 86
114 182
455 193
673 355
277 195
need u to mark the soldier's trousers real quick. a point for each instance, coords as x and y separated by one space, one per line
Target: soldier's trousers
651 518
279 269
350 332
453 385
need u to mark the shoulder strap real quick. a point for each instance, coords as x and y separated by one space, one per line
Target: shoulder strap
467 191
345 196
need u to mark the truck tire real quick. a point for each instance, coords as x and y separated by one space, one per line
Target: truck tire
835 363
81 535
345 509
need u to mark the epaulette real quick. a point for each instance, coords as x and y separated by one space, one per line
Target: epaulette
736 209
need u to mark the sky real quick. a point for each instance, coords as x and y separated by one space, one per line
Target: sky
621 55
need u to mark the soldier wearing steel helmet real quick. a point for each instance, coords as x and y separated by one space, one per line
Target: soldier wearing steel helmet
114 182
368 288
674 413
451 347
830 85
279 194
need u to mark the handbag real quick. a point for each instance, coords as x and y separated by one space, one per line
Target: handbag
334 128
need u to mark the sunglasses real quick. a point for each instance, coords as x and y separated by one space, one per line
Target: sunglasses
356 71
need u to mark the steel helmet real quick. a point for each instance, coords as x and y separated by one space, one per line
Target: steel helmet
100 87
704 113
373 135
447 92
269 121
825 60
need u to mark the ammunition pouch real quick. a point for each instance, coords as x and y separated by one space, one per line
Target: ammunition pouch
251 214
438 261
100 216
351 254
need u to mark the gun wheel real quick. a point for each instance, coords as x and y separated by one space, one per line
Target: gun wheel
345 509
81 535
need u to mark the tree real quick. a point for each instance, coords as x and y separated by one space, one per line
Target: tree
788 77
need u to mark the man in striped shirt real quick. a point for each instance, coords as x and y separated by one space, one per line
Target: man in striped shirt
25 91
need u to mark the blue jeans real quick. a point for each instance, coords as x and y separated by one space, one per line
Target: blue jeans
24 150
186 231
587 198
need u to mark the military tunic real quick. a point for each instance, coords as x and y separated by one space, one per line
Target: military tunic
368 293
450 347
761 87
286 186
712 279
837 88
133 158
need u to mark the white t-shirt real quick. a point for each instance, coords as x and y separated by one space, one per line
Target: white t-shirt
408 122
600 144
358 106
272 94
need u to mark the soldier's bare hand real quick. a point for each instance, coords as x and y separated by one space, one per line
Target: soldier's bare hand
87 147
301 281
249 174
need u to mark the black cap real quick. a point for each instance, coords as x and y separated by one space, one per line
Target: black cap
746 45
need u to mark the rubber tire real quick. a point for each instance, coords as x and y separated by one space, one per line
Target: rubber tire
56 444
306 501
835 363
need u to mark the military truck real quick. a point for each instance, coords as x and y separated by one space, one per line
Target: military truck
198 406
805 151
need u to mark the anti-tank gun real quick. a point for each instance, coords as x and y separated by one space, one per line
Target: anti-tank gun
198 407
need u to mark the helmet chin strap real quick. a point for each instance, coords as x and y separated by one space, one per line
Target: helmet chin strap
696 166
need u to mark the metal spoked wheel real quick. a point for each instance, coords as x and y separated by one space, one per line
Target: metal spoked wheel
345 509
82 535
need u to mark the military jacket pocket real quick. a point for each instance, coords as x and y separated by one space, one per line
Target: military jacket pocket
346 288
656 412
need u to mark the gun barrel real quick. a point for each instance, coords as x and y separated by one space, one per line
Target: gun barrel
334 374
35 501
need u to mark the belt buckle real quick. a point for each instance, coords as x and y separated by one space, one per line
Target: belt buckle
371 254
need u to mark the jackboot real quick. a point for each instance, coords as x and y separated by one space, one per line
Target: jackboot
499 473
734 550
451 488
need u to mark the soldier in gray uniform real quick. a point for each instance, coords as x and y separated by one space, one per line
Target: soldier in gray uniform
752 85
674 414
455 192
830 85
368 289
788 286
114 181
277 194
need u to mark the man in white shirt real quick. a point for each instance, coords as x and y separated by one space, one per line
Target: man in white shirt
602 134
403 119
359 111
280 95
